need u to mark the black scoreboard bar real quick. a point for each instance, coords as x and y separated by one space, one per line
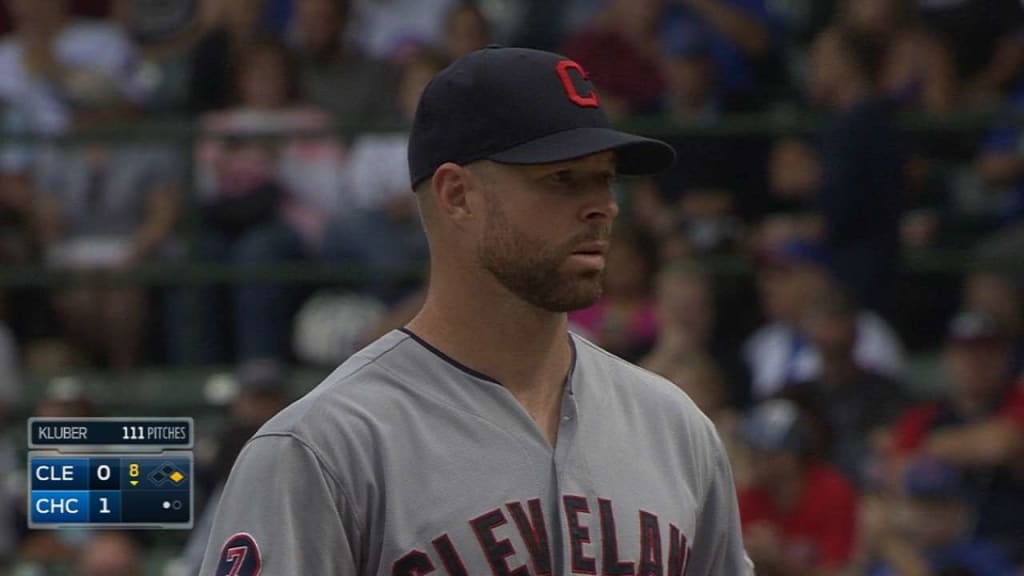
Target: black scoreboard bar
169 433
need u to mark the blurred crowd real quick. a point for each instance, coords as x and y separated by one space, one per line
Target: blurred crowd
848 461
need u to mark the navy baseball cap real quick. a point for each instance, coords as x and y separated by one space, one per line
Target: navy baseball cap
520 106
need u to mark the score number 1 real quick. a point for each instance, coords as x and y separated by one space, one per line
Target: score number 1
133 433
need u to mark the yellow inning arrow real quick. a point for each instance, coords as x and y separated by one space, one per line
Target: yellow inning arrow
134 482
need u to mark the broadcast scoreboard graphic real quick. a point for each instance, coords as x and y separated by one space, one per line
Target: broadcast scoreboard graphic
111 472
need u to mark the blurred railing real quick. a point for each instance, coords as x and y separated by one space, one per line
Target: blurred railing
193 275
780 120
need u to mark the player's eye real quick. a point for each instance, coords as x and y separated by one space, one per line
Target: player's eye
562 178
572 181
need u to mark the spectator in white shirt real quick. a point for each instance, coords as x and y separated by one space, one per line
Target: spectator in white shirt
379 226
53 61
265 200
792 276
395 29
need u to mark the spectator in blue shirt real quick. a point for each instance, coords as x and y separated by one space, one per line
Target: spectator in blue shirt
862 159
999 164
742 35
929 532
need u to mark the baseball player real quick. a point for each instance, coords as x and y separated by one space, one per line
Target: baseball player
484 437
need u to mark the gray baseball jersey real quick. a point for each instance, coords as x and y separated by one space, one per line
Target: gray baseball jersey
405 463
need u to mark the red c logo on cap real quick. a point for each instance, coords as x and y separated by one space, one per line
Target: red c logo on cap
563 67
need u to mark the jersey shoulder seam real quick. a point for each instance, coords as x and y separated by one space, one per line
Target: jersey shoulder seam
334 379
640 371
322 462
368 361
444 402
601 351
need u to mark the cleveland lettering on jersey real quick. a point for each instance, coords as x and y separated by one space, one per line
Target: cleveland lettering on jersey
534 532
514 541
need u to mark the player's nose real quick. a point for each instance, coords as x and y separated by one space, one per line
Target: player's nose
601 205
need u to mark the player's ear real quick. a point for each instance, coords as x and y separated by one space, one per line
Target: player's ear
450 186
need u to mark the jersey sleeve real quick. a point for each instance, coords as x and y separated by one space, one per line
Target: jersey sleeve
718 545
280 513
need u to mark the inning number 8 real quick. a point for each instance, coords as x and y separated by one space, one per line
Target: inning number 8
133 470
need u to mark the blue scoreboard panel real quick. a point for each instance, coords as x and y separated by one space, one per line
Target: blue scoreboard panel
111 472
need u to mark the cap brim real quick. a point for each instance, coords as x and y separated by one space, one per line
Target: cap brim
636 155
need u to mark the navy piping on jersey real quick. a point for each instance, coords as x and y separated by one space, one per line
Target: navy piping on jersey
475 373
448 358
572 364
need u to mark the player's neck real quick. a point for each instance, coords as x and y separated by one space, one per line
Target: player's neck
519 345
525 349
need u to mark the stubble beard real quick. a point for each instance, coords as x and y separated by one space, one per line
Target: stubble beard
533 270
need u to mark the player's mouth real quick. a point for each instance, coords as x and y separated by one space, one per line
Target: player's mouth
591 254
